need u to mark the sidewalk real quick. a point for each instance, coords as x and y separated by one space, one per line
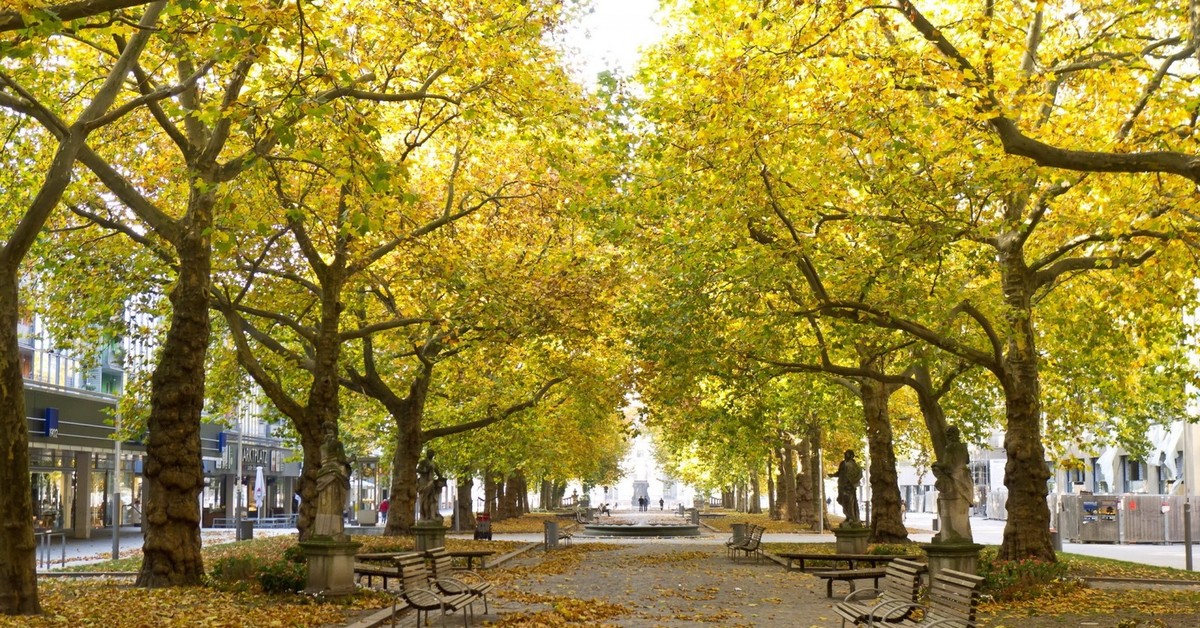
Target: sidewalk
986 531
99 547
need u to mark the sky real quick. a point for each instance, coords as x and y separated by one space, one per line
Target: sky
609 37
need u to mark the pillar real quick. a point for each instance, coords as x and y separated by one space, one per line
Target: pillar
81 524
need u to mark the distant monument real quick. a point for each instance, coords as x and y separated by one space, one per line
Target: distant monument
329 549
430 483
955 490
333 485
849 475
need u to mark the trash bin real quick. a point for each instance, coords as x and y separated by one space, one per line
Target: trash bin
483 526
739 531
551 534
245 530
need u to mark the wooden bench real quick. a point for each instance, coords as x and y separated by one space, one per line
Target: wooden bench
451 581
953 599
733 542
901 583
370 572
849 576
471 555
852 561
420 595
751 544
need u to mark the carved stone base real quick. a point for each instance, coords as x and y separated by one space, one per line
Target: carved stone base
851 539
330 566
962 557
428 535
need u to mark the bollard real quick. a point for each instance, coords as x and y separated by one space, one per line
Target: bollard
551 534
1187 534
245 530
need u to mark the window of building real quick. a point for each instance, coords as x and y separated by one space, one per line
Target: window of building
1133 473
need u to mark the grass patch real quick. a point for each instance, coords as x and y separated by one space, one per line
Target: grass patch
265 550
1092 566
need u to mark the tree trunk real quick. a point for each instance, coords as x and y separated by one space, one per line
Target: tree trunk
465 504
772 500
804 499
18 561
173 472
491 494
1027 531
508 501
787 477
402 513
887 523
816 476
755 496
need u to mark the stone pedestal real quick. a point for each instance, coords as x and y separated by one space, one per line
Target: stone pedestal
428 535
851 540
962 557
330 566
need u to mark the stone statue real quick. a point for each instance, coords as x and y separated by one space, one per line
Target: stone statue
430 483
849 474
333 485
955 490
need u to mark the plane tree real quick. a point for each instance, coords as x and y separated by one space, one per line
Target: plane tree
870 170
25 214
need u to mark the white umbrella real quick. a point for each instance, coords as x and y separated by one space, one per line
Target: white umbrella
260 490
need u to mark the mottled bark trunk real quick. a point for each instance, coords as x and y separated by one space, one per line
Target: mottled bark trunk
18 566
816 478
1027 531
323 408
755 495
173 472
804 498
772 498
402 513
490 493
787 478
464 505
887 524
560 491
508 498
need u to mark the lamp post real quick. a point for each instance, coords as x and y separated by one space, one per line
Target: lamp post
1189 465
116 491
237 486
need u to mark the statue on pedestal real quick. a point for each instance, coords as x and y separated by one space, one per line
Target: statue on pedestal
333 485
955 490
849 474
430 483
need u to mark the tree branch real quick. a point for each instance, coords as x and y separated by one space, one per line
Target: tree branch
438 432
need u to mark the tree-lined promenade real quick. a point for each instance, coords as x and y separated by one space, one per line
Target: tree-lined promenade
798 229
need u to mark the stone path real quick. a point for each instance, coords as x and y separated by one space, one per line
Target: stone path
662 583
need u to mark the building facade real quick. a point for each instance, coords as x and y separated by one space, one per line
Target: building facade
81 483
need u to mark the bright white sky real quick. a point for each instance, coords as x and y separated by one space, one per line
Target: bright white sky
610 36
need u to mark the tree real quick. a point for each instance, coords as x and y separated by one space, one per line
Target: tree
18 573
864 173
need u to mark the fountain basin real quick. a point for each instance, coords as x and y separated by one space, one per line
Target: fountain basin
641 529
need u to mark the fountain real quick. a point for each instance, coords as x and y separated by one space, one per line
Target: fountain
640 528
